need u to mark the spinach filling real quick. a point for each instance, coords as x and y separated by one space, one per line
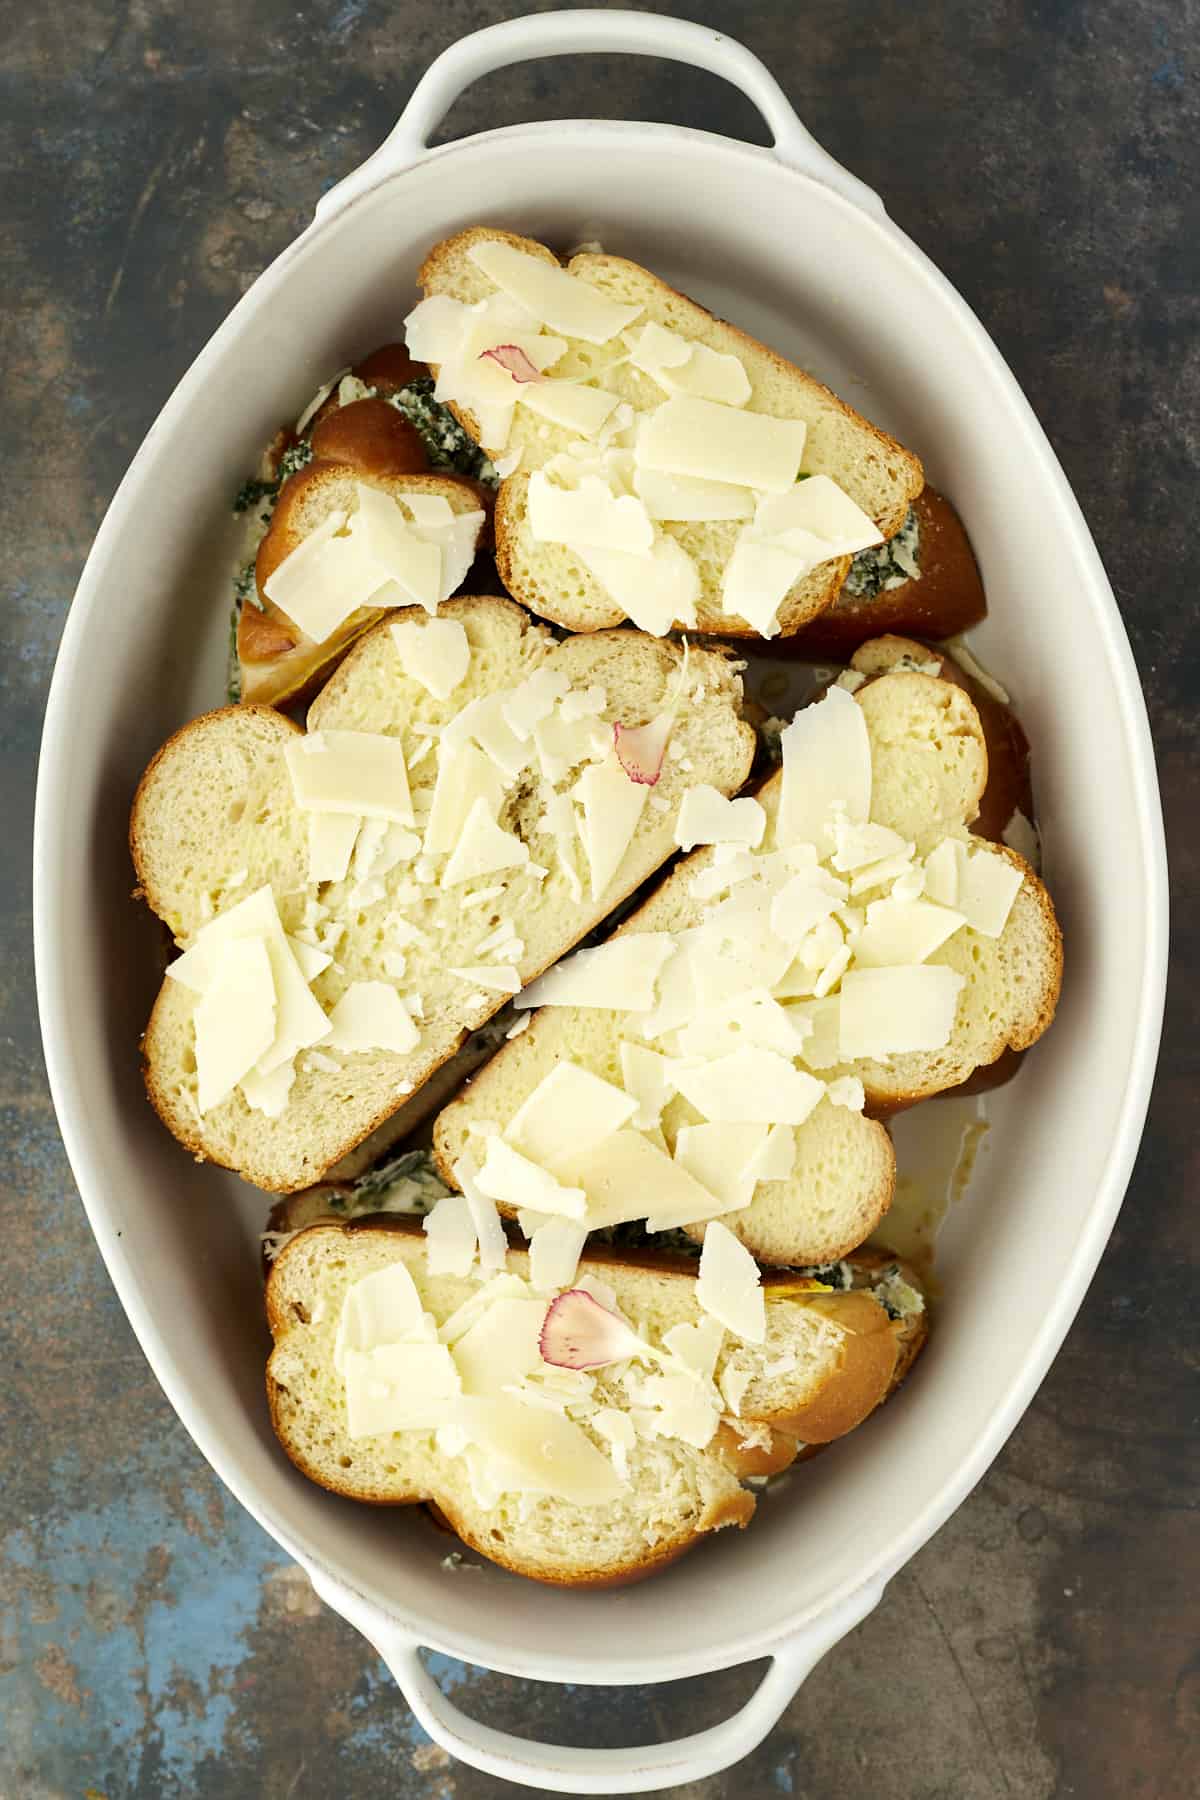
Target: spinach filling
890 565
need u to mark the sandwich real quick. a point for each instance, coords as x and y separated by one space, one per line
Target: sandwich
583 1432
656 464
354 900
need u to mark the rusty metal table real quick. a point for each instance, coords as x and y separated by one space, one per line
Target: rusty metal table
153 1642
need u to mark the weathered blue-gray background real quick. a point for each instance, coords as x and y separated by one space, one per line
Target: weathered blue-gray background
155 154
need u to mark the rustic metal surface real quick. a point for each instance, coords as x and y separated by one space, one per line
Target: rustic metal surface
154 156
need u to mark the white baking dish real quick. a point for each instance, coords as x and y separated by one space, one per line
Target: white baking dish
790 245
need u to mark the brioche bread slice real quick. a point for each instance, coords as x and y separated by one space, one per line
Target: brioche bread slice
879 474
278 662
215 818
828 1359
929 769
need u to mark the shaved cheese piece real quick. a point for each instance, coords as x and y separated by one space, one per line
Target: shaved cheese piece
268 1094
941 871
567 1114
557 299
698 1345
799 906
398 1387
435 652
888 1012
683 367
987 886
707 817
689 436
450 1236
822 1047
498 978
612 805
508 1176
818 507
750 1085
722 1158
777 1157
826 770
880 874
371 1016
684 497
657 591
300 586
1021 835
532 700
554 1252
626 1177
483 720
534 1452
758 578
501 1347
361 772
493 1241
234 1020
728 1286
847 1091
857 845
256 916
750 1017
684 1407
589 515
398 552
383 1307
617 1427
464 776
579 409
483 847
300 1021
903 931
330 841
620 975
648 1079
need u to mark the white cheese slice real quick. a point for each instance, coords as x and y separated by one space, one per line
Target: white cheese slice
627 1177
817 507
398 1387
683 1406
903 931
395 548
579 409
435 328
988 884
697 1345
728 1286
858 845
748 1086
702 438
777 1157
536 1452
656 591
268 1094
361 772
234 1019
722 1158
533 700
371 1016
301 587
567 1114
256 916
483 847
847 1091
750 1017
464 776
383 1307
508 1176
300 1021
554 1252
800 905
680 366
618 1428
648 1080
330 842
826 770
888 1012
557 299
707 817
435 652
682 497
612 805
620 975
497 978
822 1045
501 1348
450 1236
588 515
942 871
758 578
489 1229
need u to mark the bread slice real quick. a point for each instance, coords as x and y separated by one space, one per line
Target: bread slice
278 663
930 768
880 475
880 594
827 1361
214 818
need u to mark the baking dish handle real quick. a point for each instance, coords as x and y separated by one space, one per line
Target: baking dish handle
581 33
563 1769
